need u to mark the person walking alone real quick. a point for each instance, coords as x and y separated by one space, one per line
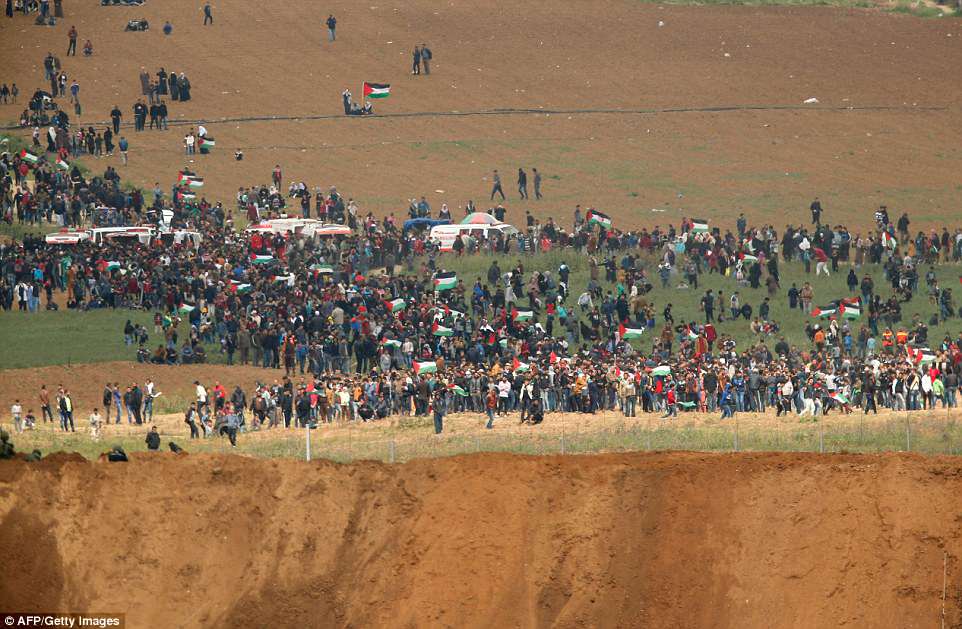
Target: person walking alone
72 38
522 184
208 15
331 28
496 187
122 145
537 183
115 117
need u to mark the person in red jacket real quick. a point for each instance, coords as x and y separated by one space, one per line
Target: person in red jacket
821 262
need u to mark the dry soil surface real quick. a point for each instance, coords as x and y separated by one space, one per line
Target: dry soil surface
654 540
884 130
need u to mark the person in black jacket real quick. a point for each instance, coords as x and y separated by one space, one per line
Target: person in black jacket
115 116
153 439
136 402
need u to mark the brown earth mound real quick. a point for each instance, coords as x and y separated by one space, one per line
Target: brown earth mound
655 540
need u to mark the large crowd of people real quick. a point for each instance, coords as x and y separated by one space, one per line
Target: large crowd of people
371 324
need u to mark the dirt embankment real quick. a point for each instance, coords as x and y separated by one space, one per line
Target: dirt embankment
656 540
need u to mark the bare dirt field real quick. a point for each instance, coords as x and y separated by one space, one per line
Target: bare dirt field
654 540
884 131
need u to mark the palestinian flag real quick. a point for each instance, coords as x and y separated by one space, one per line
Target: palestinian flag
196 183
185 309
205 144
521 315
825 312
692 335
457 390
517 366
62 164
747 257
597 218
439 330
377 90
629 333
393 343
839 397
445 281
28 157
428 367
503 343
322 268
113 265
920 355
850 311
661 370
283 278
262 259
396 305
699 226
889 241
241 289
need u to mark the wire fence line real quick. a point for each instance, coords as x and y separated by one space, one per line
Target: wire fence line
522 112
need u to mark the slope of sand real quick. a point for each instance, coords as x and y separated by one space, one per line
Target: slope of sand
258 63
659 540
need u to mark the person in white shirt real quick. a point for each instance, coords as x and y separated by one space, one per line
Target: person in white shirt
95 423
17 411
201 395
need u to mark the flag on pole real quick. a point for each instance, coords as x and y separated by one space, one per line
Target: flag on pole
439 330
598 218
747 257
113 265
517 366
824 312
699 226
457 390
205 144
396 305
185 309
850 311
661 370
196 183
426 367
241 289
322 268
28 157
629 333
376 90
445 281
185 177
839 397
392 343
889 241
521 315
262 259
62 164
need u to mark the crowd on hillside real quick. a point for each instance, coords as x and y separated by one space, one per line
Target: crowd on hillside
372 324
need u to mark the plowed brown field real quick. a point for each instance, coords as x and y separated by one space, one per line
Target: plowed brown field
898 145
653 540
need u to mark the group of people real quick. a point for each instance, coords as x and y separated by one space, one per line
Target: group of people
374 325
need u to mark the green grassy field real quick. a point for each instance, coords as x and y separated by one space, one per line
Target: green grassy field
64 337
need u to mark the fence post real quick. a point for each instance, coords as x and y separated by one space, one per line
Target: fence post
736 434
821 439
648 435
391 452
908 433
562 442
307 440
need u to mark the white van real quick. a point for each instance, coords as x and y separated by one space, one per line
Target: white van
445 235
67 237
143 234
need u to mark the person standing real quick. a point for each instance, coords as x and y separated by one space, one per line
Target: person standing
438 406
346 98
149 395
232 425
96 421
45 404
537 183
331 28
416 65
208 15
816 208
17 412
276 176
66 412
162 113
115 117
426 58
522 184
189 141
122 145
496 187
153 439
107 401
72 38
